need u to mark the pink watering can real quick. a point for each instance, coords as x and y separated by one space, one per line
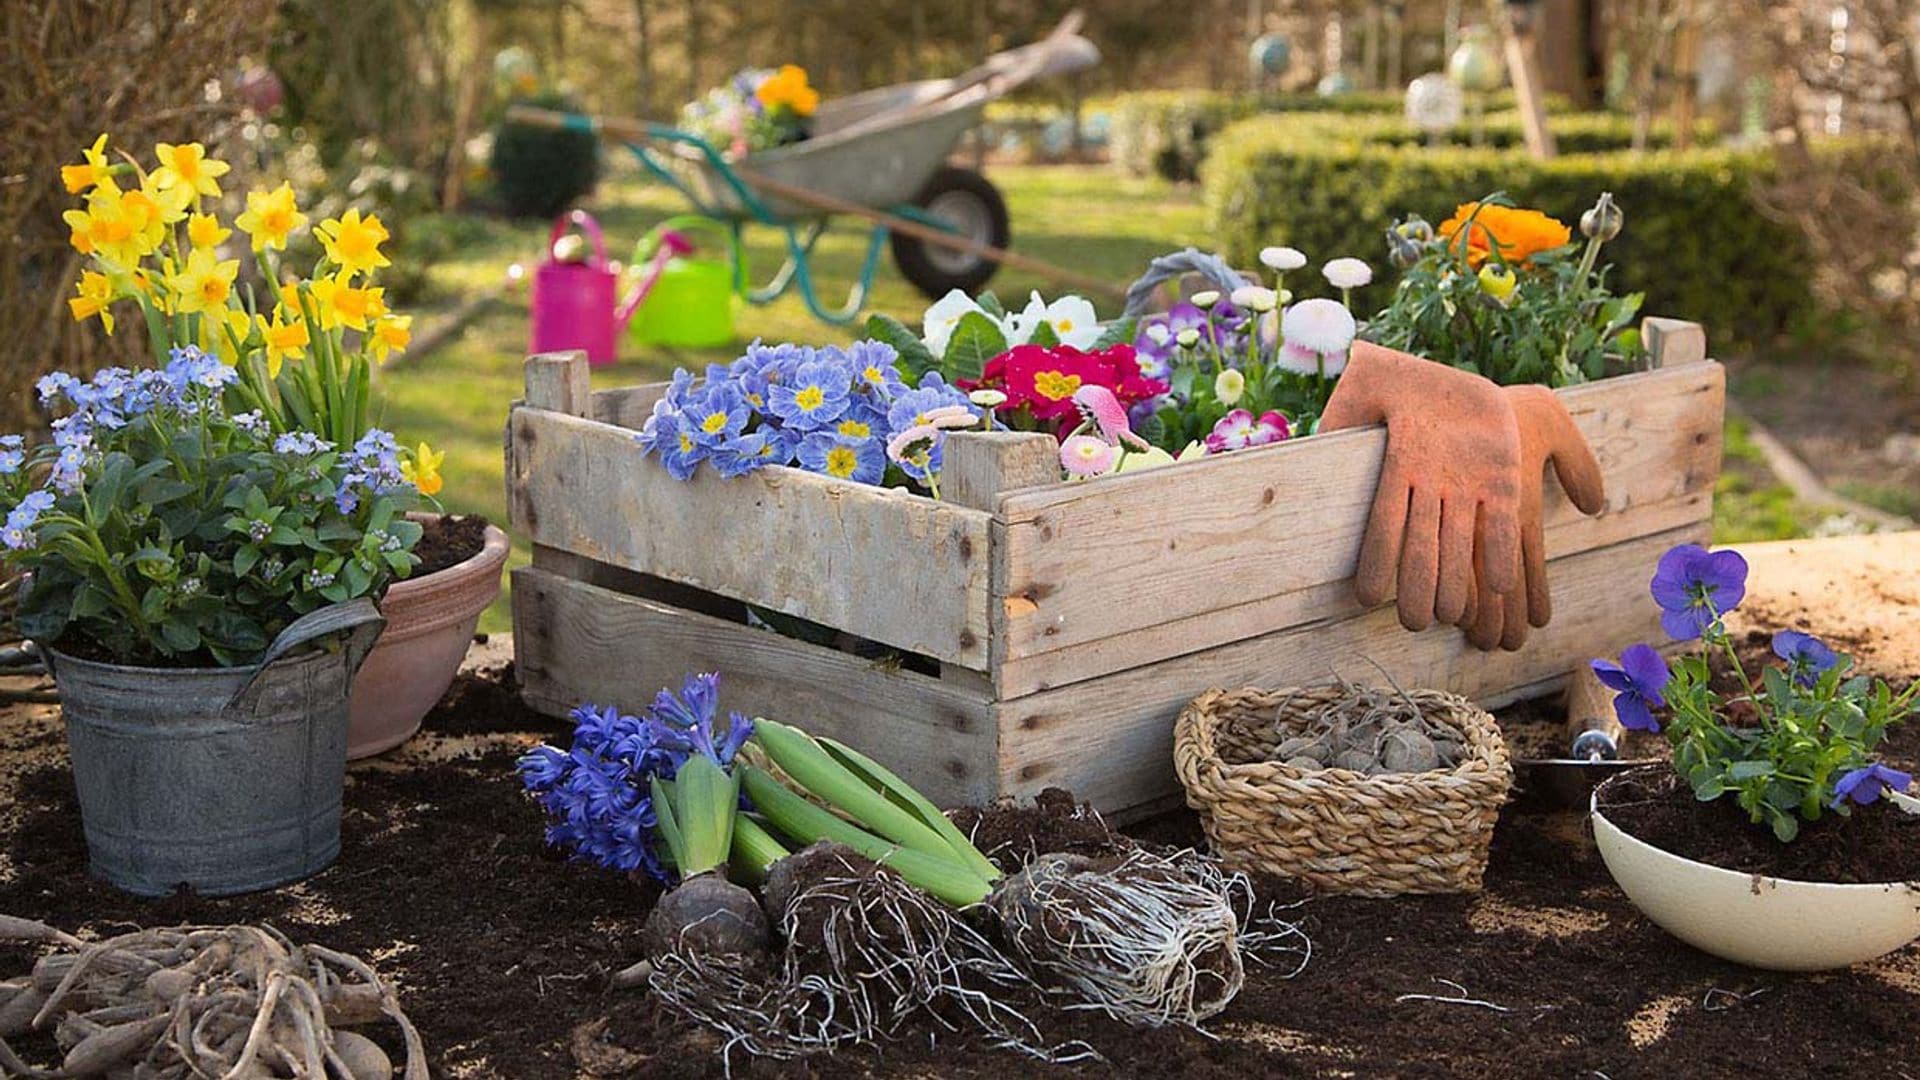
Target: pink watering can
573 300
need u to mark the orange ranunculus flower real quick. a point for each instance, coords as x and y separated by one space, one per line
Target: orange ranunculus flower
1519 234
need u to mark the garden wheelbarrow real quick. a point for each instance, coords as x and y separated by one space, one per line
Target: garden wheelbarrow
880 155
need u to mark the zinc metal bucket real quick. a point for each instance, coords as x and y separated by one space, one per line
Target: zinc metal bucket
221 780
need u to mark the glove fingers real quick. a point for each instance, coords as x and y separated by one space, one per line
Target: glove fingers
1457 579
1420 561
1497 546
1533 557
1513 635
1488 620
1373 576
1572 458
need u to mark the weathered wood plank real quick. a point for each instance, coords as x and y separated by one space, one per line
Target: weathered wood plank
1110 740
575 642
559 381
978 467
879 563
627 406
1128 570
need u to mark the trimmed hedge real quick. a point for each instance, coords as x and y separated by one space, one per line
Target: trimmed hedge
1693 242
1164 133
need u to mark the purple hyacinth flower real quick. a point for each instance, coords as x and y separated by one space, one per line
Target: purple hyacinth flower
1807 656
1639 678
1866 785
1695 587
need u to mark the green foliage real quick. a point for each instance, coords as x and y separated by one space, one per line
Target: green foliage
1558 325
1165 133
1696 245
186 536
538 171
1812 729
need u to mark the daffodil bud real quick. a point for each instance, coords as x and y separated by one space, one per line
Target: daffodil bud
1604 221
1499 283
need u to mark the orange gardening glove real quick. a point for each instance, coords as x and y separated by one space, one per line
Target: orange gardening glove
1547 437
1449 493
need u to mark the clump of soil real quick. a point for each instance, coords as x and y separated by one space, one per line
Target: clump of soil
449 540
1011 835
1876 843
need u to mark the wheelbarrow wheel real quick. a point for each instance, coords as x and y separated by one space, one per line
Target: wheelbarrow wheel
965 200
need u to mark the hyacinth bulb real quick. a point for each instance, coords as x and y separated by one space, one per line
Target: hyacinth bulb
1604 221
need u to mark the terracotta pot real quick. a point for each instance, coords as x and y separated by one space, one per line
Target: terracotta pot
1752 919
430 623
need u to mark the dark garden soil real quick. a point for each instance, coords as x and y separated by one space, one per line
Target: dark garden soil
449 540
503 950
1877 843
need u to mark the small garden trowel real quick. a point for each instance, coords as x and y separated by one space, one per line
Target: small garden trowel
1594 740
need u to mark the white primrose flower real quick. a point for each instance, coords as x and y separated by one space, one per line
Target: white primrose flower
1073 319
1229 386
1348 273
1159 334
937 326
1282 259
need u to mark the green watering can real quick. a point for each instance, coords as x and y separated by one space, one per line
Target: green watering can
691 302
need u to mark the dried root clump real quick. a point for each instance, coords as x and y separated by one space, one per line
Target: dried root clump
223 1002
1140 938
864 952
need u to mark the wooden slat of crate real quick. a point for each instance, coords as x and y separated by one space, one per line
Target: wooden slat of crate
576 642
882 564
1110 740
1134 569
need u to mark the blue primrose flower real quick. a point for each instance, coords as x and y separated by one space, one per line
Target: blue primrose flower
669 433
911 408
1695 587
1866 784
1638 678
873 367
860 460
717 415
1807 656
814 398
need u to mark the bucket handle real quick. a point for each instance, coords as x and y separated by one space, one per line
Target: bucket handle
1176 264
361 619
585 223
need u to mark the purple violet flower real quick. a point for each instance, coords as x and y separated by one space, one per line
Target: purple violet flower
1866 784
1639 678
1807 656
1695 587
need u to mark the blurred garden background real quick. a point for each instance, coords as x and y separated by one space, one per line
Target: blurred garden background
1765 154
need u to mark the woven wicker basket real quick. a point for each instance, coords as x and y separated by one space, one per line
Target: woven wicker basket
1335 829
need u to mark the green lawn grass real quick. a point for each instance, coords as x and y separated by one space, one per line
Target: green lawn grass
1085 218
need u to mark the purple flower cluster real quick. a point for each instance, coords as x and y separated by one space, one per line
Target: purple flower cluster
1156 340
827 409
597 793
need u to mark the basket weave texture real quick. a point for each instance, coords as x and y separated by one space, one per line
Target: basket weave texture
1335 829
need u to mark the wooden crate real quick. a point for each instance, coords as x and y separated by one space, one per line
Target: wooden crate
1051 631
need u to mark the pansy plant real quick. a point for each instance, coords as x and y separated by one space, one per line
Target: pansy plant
1789 747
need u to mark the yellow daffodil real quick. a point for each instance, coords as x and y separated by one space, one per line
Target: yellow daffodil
108 227
271 217
422 469
204 231
284 340
188 166
96 296
224 333
354 242
204 283
152 210
341 304
92 169
390 334
788 88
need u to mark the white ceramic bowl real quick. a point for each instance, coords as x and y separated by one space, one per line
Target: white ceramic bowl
1759 921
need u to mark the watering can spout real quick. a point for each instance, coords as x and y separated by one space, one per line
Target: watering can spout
669 244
